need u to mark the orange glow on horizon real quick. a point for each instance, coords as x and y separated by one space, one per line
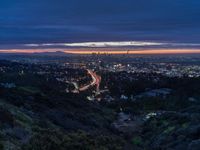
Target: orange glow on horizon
157 51
104 51
28 51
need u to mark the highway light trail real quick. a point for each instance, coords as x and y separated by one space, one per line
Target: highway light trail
95 81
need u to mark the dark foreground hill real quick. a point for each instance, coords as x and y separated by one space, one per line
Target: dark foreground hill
36 114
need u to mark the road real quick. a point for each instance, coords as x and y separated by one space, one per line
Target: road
96 79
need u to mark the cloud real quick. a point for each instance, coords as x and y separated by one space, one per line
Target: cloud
47 21
114 44
97 44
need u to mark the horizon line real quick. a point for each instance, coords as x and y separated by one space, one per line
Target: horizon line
104 51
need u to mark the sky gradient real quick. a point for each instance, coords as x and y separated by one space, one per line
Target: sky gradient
25 22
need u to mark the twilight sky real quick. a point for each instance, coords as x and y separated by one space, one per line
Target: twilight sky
75 21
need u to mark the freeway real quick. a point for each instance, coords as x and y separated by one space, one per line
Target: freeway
96 79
